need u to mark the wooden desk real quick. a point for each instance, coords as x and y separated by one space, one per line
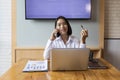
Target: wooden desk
15 73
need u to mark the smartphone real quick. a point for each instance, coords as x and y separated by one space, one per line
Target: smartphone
58 34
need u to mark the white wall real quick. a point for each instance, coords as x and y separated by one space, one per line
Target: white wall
5 35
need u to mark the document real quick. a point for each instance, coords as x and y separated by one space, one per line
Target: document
33 65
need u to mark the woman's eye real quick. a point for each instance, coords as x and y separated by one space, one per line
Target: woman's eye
64 24
59 25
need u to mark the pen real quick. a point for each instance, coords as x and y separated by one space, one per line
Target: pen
82 27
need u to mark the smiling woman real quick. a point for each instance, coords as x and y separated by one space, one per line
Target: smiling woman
62 27
64 38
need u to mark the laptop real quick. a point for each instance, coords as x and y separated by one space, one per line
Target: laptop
69 58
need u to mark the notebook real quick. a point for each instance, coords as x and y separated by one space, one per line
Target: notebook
96 64
69 58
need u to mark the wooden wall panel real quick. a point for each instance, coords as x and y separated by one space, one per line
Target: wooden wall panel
28 54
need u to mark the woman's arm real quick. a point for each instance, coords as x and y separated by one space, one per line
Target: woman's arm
84 35
82 45
48 47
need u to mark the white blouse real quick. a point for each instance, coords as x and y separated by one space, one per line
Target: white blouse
72 42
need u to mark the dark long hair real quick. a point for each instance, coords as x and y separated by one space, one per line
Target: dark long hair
68 24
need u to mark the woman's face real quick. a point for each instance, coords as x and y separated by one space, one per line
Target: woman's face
62 26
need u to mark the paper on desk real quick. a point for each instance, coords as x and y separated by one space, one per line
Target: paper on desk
36 65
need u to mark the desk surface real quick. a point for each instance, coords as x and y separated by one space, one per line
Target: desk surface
15 73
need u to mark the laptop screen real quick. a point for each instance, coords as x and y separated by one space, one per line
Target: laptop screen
69 58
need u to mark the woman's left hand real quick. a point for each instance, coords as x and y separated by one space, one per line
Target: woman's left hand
84 35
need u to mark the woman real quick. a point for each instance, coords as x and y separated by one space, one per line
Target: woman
61 37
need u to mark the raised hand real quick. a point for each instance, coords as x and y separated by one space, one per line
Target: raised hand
84 35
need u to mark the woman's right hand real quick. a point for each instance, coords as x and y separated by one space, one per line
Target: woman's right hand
54 34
